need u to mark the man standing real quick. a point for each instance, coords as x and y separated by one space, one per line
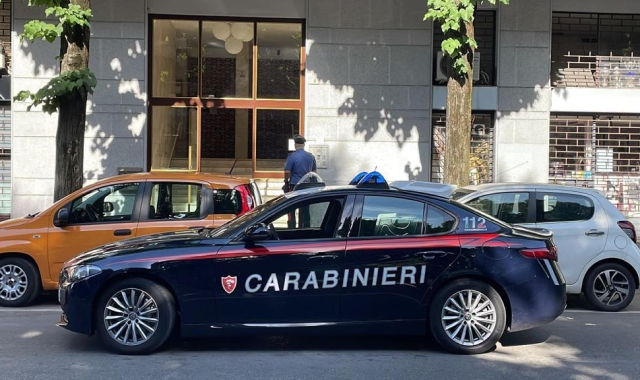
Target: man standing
298 164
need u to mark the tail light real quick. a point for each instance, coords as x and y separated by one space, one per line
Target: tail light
247 200
628 229
541 253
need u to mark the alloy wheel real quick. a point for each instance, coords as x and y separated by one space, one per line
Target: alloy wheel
131 317
469 317
13 282
611 287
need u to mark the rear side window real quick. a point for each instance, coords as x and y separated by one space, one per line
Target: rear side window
386 216
175 201
227 201
508 207
438 221
556 207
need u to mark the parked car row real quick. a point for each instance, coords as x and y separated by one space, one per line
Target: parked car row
466 264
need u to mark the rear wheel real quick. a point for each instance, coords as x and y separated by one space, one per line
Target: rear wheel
609 287
19 282
135 316
467 317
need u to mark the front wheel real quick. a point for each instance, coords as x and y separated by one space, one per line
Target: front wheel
609 287
19 282
467 317
135 316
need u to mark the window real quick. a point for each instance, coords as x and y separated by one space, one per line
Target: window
107 204
175 201
484 59
563 208
308 220
481 147
226 201
508 207
438 221
385 216
225 92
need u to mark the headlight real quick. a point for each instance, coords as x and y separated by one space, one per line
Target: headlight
79 272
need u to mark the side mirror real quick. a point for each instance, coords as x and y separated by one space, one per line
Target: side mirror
62 218
257 232
107 207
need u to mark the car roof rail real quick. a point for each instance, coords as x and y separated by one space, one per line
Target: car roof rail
373 180
435 188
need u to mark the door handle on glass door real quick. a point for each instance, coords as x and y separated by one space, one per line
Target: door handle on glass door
594 233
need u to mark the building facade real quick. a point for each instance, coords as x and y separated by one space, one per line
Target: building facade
220 85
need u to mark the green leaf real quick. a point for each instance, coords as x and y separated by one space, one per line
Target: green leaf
40 30
451 46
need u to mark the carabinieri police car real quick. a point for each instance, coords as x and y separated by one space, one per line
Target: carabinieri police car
367 258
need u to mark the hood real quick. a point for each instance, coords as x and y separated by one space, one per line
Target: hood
15 222
137 245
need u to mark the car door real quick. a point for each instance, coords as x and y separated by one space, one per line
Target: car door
293 277
393 257
97 217
174 205
579 228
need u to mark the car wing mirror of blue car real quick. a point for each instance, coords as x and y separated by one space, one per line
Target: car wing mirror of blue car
257 232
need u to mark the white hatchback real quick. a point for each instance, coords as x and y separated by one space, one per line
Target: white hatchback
597 248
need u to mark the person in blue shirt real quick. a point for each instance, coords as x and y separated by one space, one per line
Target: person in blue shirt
299 164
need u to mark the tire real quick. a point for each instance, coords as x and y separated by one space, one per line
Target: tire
605 287
493 317
139 318
19 282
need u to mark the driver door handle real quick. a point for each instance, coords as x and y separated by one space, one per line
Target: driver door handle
594 233
121 232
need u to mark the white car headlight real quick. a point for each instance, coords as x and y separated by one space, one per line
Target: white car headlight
80 272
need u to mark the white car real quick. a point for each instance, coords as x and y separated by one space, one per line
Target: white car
597 248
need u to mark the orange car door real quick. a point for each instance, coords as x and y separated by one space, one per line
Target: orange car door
174 206
99 216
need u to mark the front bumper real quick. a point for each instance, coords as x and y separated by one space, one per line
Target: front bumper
76 301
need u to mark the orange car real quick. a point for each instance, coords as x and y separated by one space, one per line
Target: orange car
33 248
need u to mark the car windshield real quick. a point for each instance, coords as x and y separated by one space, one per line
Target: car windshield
232 226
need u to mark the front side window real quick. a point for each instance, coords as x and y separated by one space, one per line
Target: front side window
175 201
508 207
112 203
554 207
389 217
315 220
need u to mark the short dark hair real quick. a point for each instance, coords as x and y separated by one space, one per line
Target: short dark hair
299 139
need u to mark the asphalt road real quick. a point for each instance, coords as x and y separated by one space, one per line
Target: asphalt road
581 344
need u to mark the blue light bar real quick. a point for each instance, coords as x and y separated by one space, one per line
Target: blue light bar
357 178
373 179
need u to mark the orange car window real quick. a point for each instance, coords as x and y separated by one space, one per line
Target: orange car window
113 203
175 201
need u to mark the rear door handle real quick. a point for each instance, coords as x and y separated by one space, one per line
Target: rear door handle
121 232
432 255
594 233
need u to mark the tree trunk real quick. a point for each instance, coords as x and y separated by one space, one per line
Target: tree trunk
457 151
74 48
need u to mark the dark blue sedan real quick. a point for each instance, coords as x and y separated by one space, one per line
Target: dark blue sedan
368 258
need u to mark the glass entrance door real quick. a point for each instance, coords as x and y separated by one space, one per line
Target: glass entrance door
225 93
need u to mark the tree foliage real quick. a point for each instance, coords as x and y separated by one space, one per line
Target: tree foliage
453 16
79 79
